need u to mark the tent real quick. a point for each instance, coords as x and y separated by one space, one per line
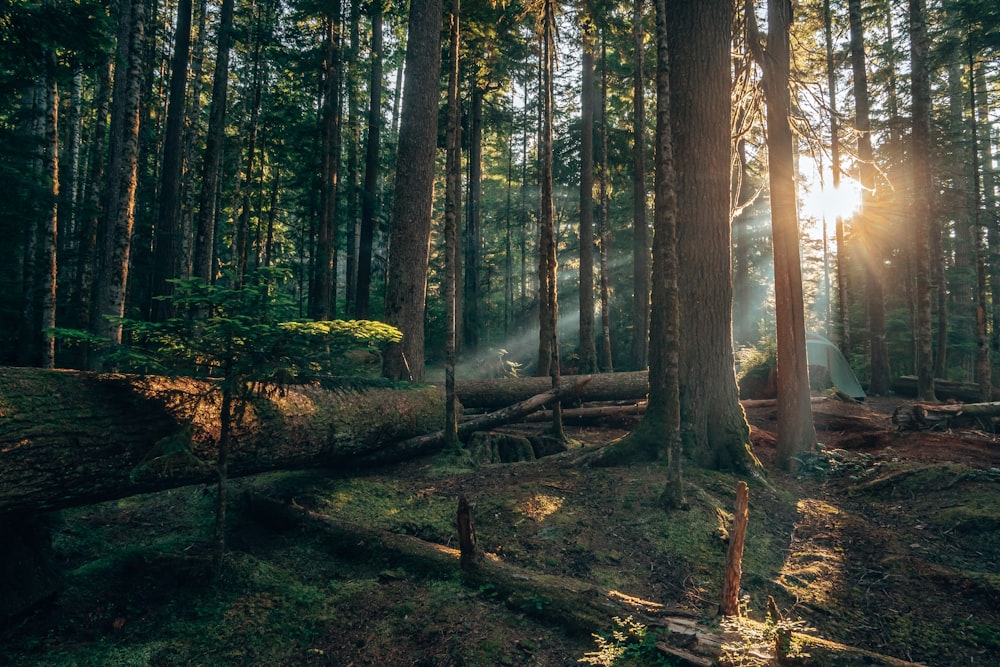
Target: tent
821 352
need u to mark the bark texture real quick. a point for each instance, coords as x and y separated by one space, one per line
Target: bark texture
409 236
70 438
501 393
716 432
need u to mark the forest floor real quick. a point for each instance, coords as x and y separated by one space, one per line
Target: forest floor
887 541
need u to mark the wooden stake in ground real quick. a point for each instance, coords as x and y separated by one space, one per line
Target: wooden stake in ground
734 557
466 534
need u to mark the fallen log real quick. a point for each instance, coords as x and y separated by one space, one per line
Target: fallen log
576 606
424 443
492 394
906 385
923 416
70 438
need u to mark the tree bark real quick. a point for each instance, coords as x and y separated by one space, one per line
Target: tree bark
115 232
168 247
500 393
204 260
922 203
369 197
409 236
640 233
323 296
734 556
715 430
869 231
795 428
70 438
453 206
587 350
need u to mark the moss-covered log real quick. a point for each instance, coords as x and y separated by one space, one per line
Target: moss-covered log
507 391
69 438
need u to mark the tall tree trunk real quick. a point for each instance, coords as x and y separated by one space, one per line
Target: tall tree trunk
241 265
716 431
168 250
473 237
796 433
47 260
983 373
353 169
409 236
192 132
204 261
958 301
548 305
604 224
870 246
921 200
369 198
587 351
118 217
640 228
843 288
453 208
70 179
91 214
323 295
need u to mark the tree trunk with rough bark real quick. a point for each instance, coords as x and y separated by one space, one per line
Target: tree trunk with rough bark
70 438
795 428
715 429
409 236
640 233
869 232
115 231
587 351
493 394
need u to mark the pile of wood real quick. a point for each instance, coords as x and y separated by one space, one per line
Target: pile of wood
928 416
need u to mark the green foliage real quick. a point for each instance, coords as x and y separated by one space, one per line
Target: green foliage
630 642
755 642
232 333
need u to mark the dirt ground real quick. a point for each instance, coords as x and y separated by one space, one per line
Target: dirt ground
884 540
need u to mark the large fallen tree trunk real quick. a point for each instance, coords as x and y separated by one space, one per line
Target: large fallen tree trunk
906 385
494 394
69 438
921 416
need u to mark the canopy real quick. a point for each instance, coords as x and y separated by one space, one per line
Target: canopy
821 352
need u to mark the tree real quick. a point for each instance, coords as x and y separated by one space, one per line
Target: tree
871 227
169 250
204 258
640 231
921 206
323 295
659 432
715 429
115 232
409 235
548 305
453 205
796 433
245 347
47 260
369 196
587 350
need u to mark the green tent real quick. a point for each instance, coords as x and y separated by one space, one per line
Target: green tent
821 352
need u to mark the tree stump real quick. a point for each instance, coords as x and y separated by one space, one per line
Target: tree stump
734 556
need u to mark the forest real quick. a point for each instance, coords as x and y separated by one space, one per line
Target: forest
307 258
